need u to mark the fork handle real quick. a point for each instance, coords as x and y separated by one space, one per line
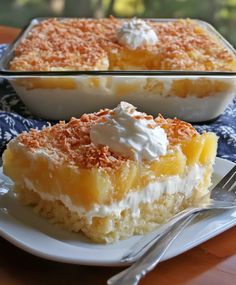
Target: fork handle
152 256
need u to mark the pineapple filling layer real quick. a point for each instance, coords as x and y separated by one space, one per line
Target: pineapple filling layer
150 193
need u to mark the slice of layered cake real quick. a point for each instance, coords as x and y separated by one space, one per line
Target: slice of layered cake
112 174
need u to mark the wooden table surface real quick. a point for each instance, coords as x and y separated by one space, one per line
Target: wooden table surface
213 262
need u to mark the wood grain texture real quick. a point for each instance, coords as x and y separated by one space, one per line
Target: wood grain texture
199 266
213 262
8 34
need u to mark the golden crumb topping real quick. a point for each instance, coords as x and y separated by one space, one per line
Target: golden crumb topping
70 142
91 44
177 131
66 45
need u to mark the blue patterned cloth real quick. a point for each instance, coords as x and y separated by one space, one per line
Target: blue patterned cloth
225 128
15 118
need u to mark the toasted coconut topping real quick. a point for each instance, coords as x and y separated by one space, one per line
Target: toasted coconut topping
70 142
87 44
177 131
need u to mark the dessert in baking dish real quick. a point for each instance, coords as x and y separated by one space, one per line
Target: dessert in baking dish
115 44
112 174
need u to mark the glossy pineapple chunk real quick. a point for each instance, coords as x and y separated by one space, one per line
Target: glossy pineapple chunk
193 149
209 150
124 179
200 149
171 164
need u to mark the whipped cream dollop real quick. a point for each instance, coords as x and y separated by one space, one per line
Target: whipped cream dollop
130 133
136 33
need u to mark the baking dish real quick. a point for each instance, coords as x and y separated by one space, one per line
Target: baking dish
194 96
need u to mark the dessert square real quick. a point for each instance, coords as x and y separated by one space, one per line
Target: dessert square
112 174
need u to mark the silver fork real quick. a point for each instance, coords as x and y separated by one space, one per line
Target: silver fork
149 253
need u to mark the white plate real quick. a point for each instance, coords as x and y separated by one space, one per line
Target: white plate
22 227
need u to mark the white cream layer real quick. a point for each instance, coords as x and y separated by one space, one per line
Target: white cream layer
54 103
153 191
